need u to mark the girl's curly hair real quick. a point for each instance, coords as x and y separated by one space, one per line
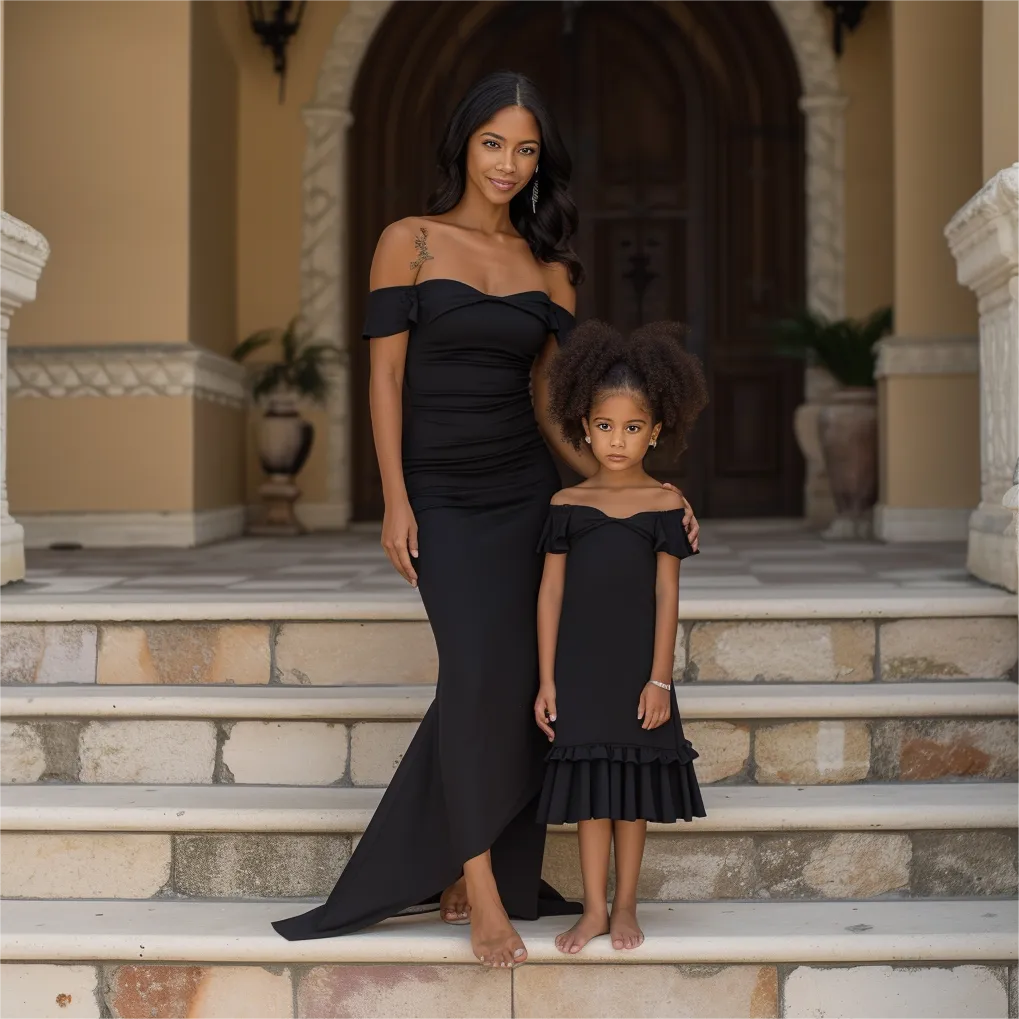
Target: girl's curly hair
651 363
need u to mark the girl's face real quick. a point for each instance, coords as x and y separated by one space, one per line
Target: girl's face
503 153
620 429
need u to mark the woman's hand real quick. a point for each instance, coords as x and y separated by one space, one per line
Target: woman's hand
400 539
693 529
544 710
655 706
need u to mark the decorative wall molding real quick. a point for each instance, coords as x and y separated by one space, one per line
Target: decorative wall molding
984 238
181 529
905 523
126 370
325 247
919 355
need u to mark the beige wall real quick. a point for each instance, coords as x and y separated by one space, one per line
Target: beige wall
865 70
1 102
936 94
97 454
1000 85
929 435
933 460
218 452
96 158
212 261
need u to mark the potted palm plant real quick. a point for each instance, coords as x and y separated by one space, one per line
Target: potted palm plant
285 438
847 420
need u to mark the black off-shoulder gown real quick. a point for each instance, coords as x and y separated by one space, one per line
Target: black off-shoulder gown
603 764
479 477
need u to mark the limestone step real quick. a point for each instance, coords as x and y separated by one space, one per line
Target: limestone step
818 842
917 959
772 639
798 734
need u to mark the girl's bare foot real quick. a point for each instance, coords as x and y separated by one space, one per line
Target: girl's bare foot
493 938
625 930
453 905
590 925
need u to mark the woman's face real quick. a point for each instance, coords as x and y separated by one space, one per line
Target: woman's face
503 153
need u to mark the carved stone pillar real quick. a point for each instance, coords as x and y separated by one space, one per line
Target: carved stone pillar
324 283
1011 502
983 238
24 253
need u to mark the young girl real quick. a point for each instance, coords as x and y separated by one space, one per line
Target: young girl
607 615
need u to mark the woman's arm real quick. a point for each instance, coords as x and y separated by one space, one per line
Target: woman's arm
550 604
580 460
391 266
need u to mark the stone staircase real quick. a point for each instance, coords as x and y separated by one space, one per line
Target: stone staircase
173 785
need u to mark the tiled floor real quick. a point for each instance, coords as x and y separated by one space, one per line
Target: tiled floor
738 558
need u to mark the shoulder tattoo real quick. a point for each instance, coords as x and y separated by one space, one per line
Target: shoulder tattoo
421 244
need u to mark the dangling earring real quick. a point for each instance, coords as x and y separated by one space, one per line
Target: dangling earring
534 192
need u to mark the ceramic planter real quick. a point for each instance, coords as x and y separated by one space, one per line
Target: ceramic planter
284 442
847 426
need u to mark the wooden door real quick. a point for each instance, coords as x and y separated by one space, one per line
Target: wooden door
687 143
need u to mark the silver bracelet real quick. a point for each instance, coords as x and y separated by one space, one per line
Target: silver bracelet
661 686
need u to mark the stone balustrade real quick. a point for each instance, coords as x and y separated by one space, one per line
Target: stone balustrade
24 254
984 238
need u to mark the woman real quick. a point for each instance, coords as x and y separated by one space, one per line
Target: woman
464 309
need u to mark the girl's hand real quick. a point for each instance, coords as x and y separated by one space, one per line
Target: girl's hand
655 706
400 539
544 710
693 529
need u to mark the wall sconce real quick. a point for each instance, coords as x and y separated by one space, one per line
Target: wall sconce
276 24
848 14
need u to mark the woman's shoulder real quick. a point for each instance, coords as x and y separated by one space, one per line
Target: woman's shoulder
401 250
558 286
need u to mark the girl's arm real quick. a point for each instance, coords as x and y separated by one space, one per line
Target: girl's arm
550 604
391 266
655 706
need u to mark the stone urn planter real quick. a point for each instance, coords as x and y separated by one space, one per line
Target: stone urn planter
847 426
840 426
284 437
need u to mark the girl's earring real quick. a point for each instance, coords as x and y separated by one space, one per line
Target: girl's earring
587 439
654 442
534 192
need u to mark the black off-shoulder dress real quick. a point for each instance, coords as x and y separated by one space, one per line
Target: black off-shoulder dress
602 763
479 477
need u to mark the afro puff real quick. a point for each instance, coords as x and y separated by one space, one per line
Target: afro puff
652 363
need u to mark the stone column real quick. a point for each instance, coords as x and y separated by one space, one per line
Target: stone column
1011 502
983 238
324 281
928 393
23 253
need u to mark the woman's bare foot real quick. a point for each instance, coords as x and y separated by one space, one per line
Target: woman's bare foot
453 905
493 938
590 925
625 930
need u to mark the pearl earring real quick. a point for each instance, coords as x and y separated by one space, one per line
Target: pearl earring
653 443
587 439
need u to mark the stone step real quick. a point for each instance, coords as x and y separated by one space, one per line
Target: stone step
771 640
818 842
918 959
798 734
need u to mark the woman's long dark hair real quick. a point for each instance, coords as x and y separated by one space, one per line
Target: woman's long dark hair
546 231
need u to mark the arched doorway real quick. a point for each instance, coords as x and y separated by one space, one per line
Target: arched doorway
687 139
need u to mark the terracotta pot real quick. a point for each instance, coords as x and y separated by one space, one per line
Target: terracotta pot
285 438
847 426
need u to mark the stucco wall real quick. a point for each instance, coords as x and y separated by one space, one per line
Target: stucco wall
1000 85
96 158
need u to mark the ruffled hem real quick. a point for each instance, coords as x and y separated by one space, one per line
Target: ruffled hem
622 783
